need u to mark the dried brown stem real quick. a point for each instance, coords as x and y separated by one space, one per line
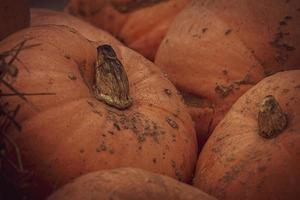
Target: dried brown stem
271 119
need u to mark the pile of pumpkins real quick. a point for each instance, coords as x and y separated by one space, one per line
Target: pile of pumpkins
153 99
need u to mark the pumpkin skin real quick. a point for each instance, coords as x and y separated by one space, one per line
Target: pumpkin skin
141 29
224 47
71 133
127 183
14 15
44 17
237 163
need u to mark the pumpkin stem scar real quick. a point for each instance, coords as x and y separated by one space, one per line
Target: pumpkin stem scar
131 5
271 119
111 82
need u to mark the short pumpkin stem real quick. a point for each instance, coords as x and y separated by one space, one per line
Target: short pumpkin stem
111 82
130 5
271 119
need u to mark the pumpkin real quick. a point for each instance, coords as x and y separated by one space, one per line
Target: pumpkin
254 152
127 183
140 25
14 15
44 17
90 106
216 50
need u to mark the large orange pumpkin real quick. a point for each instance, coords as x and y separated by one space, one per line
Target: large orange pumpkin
127 184
68 132
14 15
141 25
254 153
216 50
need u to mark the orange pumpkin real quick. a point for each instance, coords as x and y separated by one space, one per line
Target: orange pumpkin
44 17
68 132
238 163
216 50
127 183
14 15
141 25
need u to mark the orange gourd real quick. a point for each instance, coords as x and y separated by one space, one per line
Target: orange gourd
67 132
254 152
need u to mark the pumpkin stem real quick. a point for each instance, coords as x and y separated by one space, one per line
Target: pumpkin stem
271 119
125 6
111 82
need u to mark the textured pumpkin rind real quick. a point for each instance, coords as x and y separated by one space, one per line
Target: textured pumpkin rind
237 163
225 47
48 17
127 184
71 133
142 29
14 15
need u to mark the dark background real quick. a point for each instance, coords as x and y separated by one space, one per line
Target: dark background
52 4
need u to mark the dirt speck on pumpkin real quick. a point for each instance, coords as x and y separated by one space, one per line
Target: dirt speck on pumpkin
141 126
247 80
204 30
224 91
225 72
284 91
72 76
177 171
67 56
279 41
168 92
227 32
172 123
177 112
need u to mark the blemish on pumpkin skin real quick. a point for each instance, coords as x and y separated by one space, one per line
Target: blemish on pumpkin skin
227 32
223 91
176 114
225 72
168 92
177 171
141 126
72 76
111 132
172 123
67 56
284 91
204 30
